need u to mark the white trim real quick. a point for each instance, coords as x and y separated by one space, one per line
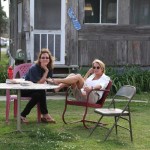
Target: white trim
63 16
47 41
60 32
100 21
54 42
31 30
117 11
47 31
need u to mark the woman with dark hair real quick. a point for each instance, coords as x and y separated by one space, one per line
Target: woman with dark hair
38 73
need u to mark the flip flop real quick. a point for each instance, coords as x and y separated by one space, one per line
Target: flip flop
24 120
47 120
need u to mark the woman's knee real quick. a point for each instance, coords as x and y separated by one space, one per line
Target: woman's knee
72 74
79 75
38 94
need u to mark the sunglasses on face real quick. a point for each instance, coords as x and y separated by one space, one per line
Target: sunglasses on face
96 67
44 57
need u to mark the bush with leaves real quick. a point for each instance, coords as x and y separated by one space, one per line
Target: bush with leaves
3 77
3 73
132 75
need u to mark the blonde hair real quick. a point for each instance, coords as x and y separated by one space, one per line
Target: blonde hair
50 65
101 64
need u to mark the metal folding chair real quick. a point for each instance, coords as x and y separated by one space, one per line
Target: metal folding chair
126 92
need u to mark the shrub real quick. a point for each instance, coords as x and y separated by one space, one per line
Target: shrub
3 73
132 75
3 76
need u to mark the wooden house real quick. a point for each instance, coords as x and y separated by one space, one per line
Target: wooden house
115 31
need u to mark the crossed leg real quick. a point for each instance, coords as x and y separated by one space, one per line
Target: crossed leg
72 79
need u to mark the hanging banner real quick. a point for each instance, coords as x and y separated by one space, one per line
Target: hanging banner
74 20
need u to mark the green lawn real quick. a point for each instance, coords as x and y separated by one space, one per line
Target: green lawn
74 136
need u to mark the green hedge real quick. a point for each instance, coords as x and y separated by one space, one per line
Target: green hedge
3 76
3 73
135 76
132 75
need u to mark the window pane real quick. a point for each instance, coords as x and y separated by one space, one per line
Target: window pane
51 43
109 11
92 11
36 45
57 47
43 40
140 12
47 14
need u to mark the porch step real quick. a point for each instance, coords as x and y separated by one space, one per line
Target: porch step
59 75
62 71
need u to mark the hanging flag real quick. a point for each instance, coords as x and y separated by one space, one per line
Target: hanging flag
74 20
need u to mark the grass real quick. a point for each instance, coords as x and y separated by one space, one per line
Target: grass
4 59
74 136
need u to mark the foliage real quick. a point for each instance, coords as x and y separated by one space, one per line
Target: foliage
3 19
60 136
3 69
133 75
3 73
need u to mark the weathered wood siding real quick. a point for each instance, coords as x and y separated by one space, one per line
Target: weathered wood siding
71 35
13 28
122 44
115 45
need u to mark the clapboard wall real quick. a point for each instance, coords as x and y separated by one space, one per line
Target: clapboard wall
116 45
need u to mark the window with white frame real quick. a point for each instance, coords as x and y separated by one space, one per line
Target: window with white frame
101 11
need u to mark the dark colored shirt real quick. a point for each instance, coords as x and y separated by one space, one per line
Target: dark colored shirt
35 73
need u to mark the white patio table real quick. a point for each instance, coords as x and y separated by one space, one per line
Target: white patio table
21 86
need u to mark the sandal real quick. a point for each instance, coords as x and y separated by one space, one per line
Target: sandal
47 120
24 120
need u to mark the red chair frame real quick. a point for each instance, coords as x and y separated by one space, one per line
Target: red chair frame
86 105
19 71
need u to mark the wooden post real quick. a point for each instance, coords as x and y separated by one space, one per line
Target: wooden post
15 25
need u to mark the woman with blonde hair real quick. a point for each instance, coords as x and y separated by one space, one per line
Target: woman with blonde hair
38 73
95 79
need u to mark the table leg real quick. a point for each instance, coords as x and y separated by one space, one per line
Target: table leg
18 111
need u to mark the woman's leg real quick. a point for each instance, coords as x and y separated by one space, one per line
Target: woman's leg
35 95
71 80
62 85
43 108
42 102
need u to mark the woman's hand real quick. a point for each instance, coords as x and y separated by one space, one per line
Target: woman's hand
87 89
44 67
43 79
90 71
